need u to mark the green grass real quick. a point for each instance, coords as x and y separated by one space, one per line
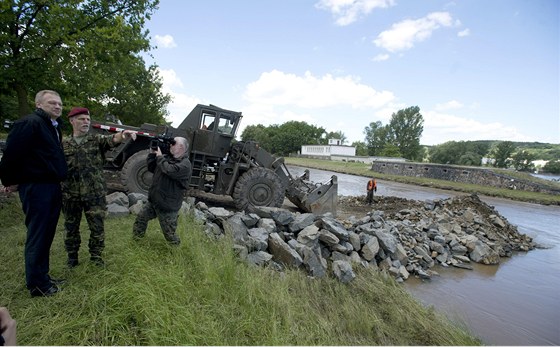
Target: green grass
201 294
361 169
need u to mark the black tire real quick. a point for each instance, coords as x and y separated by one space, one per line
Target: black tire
258 187
135 176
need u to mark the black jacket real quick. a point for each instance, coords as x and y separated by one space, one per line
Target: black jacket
33 152
170 180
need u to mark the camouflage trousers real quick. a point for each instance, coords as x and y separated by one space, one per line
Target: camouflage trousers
95 211
167 222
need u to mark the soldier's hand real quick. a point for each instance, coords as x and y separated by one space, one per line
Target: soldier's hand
129 134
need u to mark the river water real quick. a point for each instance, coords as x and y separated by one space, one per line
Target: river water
514 303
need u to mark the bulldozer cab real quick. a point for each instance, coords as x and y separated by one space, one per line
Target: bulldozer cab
214 129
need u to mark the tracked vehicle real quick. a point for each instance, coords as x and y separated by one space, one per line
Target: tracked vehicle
221 166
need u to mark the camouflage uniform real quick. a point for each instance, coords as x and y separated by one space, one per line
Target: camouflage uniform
85 190
169 183
167 222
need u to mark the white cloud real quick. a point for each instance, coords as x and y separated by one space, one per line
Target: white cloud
334 103
181 104
442 127
278 88
165 41
405 34
453 104
464 33
170 78
348 11
381 57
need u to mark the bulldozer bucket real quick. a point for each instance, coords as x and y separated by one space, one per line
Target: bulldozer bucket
317 198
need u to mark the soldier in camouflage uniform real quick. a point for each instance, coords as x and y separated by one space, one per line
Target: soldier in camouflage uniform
84 189
169 183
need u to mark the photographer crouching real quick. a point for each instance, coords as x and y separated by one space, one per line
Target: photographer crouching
170 181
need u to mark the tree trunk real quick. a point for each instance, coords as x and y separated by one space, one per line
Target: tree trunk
23 105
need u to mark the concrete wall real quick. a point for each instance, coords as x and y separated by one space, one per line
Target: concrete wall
480 176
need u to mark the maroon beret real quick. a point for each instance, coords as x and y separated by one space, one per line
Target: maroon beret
78 110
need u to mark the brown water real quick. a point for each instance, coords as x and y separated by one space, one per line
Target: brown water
514 303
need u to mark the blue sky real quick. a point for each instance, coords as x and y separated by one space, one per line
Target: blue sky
478 69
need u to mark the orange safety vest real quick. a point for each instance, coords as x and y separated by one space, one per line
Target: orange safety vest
372 184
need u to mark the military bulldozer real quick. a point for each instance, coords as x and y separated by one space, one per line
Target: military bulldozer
220 165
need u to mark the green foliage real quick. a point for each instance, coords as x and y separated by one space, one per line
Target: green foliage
522 161
552 166
377 137
502 153
470 159
459 153
390 150
403 132
200 293
333 135
361 148
286 138
85 50
405 129
256 133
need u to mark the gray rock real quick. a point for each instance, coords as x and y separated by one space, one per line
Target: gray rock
282 252
220 212
301 221
116 210
133 198
117 198
484 254
334 227
343 271
313 263
328 237
309 236
259 258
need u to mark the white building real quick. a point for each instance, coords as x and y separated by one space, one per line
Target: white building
333 148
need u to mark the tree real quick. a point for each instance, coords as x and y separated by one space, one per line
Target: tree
553 166
333 135
447 153
256 133
290 136
377 136
522 161
470 159
405 129
502 153
87 50
361 148
390 150
284 139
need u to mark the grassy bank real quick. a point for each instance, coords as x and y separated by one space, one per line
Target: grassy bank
201 294
362 169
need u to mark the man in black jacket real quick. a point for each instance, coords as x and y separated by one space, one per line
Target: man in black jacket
33 163
169 183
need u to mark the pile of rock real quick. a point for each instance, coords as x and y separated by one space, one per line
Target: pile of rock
410 241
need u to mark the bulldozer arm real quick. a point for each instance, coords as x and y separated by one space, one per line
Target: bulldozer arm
317 198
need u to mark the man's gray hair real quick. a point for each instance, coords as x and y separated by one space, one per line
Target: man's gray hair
184 142
40 94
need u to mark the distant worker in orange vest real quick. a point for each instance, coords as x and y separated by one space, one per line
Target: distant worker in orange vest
371 188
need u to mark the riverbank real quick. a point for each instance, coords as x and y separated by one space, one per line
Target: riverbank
364 170
199 293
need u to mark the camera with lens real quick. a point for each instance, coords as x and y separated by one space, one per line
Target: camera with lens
164 142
